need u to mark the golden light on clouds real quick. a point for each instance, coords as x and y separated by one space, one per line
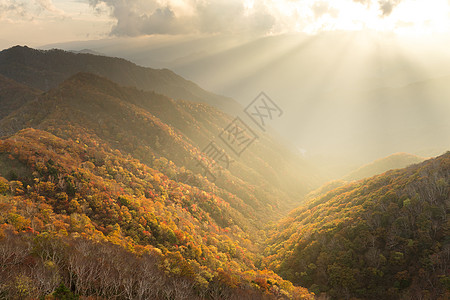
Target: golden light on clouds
403 17
64 20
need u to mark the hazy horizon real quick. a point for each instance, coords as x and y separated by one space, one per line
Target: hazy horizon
357 80
340 106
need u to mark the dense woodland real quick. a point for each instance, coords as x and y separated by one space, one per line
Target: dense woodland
386 237
150 126
101 197
67 193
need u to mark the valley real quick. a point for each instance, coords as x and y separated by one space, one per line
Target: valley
104 195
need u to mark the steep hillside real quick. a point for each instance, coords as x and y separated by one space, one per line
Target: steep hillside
394 161
385 237
47 69
112 171
186 242
13 95
169 136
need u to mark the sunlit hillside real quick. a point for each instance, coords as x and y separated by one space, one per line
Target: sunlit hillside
384 237
224 150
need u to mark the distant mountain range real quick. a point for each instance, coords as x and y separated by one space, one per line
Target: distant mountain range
13 95
365 99
109 189
129 167
87 51
149 125
47 69
394 161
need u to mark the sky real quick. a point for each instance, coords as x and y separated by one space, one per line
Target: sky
40 22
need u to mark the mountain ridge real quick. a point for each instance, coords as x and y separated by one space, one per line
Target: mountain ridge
376 238
45 69
82 192
147 125
13 95
393 161
116 172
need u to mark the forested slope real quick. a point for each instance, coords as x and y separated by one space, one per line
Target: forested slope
13 95
385 237
84 195
167 135
46 69
107 171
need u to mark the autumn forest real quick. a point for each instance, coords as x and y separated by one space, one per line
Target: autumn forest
108 191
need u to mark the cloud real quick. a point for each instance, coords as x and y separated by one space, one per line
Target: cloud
161 21
387 6
321 8
47 5
140 17
364 2
232 16
11 8
136 17
249 17
25 10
